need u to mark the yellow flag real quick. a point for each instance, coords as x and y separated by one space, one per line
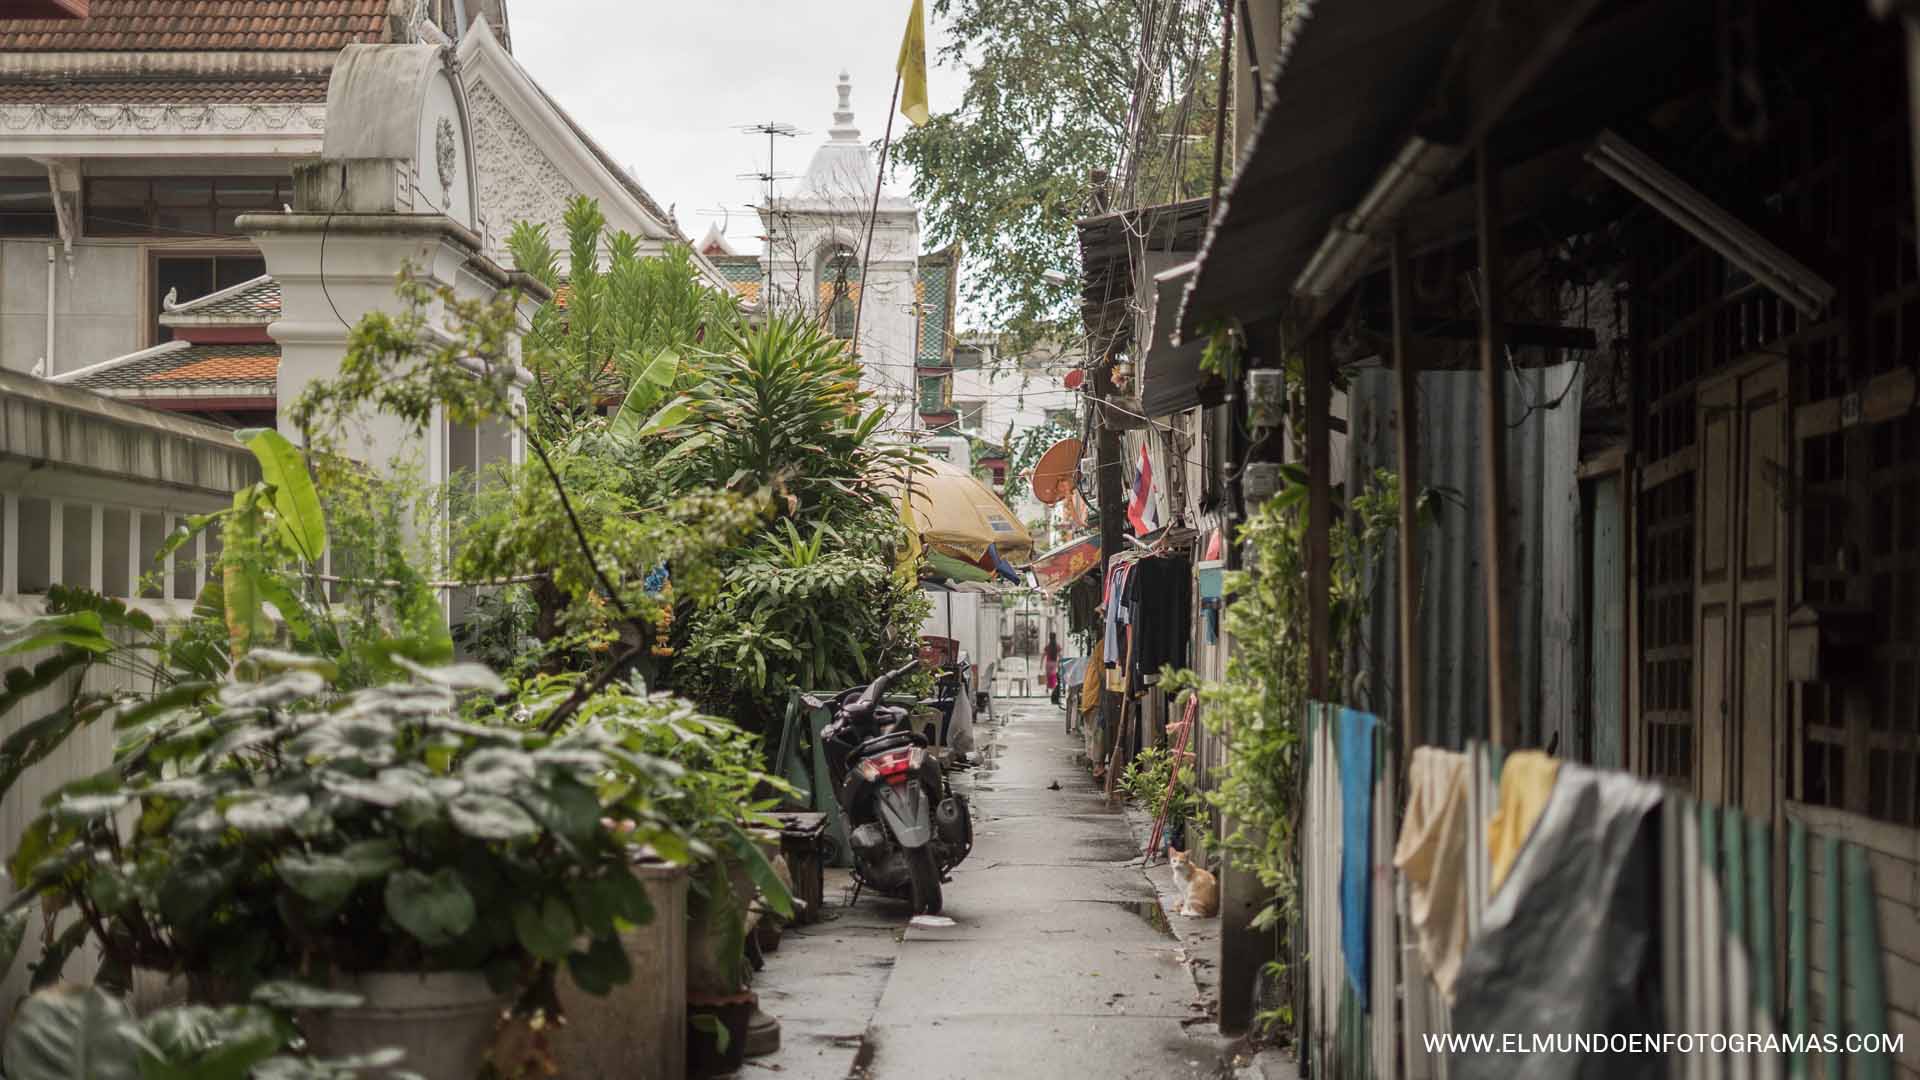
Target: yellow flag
913 66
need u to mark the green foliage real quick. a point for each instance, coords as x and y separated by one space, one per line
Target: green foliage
779 405
81 1033
623 328
1260 703
1149 779
1051 88
802 614
718 793
271 823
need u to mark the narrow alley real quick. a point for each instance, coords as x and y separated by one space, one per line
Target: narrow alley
1061 961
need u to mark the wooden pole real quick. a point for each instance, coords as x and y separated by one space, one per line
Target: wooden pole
1502 699
1407 438
1319 517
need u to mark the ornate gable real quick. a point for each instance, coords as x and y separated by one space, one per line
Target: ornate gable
518 181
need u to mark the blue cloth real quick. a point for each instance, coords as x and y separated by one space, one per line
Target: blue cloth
1002 566
1354 735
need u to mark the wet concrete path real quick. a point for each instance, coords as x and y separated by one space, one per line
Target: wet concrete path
1060 962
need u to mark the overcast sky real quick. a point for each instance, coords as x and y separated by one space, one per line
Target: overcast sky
665 85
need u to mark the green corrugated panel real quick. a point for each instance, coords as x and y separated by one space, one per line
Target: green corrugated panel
1760 940
1833 1016
1869 1004
1733 882
1798 1020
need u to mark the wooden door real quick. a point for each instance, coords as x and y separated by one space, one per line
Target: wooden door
1739 592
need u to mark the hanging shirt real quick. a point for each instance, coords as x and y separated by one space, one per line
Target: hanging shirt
1432 859
1091 682
1526 781
1159 603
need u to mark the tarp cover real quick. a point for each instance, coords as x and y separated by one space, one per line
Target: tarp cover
1570 945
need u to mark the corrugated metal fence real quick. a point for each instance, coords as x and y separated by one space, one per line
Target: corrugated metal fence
1733 962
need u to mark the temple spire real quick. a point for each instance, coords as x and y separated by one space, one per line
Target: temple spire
843 129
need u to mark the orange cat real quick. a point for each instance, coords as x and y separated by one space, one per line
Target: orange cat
1199 890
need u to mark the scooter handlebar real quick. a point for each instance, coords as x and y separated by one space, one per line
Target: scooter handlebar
878 688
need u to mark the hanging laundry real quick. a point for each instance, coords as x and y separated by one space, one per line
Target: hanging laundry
1355 747
1571 943
1432 858
1526 781
1158 605
1092 682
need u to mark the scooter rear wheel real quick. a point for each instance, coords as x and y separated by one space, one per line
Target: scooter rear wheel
926 881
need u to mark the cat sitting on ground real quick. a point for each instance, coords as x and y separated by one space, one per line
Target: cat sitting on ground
1199 890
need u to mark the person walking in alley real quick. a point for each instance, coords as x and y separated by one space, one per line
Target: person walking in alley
1051 658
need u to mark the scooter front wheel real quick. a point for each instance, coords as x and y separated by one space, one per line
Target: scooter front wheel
926 880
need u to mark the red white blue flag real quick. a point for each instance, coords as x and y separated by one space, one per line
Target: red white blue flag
1141 511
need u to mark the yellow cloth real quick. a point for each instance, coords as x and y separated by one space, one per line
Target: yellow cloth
1432 859
912 66
1091 682
1526 781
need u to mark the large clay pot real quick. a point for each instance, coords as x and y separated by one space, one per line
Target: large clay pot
445 1021
639 1031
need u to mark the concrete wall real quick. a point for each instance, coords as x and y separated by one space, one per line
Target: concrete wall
100 311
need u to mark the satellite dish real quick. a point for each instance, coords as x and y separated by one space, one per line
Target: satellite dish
1053 474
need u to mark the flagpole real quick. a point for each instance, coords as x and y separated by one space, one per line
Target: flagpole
873 215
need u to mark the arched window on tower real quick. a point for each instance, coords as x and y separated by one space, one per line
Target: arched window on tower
839 285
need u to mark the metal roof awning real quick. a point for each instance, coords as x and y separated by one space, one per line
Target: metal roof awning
1113 249
1350 83
1170 374
1374 106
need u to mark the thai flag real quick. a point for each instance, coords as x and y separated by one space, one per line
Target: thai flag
1141 510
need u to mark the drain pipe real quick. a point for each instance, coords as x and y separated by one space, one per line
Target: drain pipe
46 361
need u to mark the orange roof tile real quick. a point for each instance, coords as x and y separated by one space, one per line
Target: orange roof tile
240 368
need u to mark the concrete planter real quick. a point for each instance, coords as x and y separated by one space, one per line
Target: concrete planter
639 1031
445 1021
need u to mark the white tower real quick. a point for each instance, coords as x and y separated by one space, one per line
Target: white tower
820 262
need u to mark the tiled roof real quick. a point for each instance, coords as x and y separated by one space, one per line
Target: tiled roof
251 25
287 91
243 369
250 303
933 292
737 268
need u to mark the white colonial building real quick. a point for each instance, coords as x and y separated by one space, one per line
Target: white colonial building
132 141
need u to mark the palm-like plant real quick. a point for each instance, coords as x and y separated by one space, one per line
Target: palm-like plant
780 404
618 317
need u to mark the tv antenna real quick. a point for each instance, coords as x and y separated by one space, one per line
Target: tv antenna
774 130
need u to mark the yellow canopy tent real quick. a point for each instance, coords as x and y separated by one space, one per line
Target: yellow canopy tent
954 513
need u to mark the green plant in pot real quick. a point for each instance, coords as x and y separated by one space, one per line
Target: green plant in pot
372 841
718 799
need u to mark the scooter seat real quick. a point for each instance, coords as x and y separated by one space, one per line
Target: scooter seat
880 744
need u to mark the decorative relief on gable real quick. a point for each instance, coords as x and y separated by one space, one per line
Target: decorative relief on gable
29 120
518 181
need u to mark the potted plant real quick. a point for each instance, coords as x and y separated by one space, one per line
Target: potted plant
371 841
719 800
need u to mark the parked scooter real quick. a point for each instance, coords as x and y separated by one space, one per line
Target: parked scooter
906 824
